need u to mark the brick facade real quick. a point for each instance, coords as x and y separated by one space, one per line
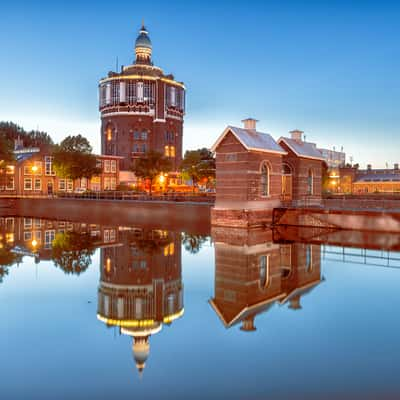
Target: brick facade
141 109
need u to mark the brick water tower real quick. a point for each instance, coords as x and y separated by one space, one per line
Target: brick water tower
141 109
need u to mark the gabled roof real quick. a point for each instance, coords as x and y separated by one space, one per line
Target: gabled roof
244 311
302 290
251 140
303 149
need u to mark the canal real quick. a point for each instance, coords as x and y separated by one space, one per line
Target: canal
131 311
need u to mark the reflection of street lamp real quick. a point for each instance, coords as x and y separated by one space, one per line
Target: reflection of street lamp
34 243
34 168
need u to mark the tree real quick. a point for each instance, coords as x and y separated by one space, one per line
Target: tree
73 158
198 164
150 166
193 243
6 152
12 131
72 251
6 158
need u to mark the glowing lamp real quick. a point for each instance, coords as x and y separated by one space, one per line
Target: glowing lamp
34 243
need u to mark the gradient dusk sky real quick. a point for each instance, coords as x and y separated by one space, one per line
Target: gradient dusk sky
328 68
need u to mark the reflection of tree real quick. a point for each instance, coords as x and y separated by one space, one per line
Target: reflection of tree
72 251
7 259
193 243
150 243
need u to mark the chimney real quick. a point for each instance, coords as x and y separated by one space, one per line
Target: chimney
250 124
297 135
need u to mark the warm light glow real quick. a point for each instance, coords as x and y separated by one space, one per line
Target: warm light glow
108 265
34 243
169 318
9 237
34 168
162 178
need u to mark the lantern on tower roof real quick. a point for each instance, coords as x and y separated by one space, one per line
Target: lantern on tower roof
143 47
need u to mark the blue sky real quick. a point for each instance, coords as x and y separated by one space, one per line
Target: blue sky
328 68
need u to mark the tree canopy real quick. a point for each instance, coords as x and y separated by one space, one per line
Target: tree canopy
73 158
6 151
151 165
33 138
198 164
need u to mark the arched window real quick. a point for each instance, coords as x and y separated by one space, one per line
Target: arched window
286 170
109 132
309 265
264 271
310 183
264 180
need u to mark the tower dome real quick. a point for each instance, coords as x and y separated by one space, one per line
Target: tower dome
143 47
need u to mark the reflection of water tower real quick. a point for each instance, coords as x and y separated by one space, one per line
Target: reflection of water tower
252 273
141 286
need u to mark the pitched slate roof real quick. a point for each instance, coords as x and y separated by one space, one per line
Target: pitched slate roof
251 140
303 149
388 177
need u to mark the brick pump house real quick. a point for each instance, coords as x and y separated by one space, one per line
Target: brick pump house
141 109
255 174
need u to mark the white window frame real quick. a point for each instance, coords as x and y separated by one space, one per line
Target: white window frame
26 187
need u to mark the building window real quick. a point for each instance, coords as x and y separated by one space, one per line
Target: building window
107 166
169 151
131 92
115 93
27 236
107 183
49 238
38 184
136 135
27 223
144 135
48 166
136 148
309 265
265 180
113 183
27 183
310 183
70 185
61 184
109 133
144 148
169 137
95 184
263 263
10 183
113 166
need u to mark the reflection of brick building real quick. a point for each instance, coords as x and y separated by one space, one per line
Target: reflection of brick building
141 286
141 109
35 236
252 273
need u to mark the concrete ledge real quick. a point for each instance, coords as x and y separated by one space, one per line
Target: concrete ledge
192 217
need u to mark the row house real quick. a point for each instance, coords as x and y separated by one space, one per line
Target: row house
33 174
255 174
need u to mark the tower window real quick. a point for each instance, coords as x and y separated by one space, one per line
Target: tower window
264 271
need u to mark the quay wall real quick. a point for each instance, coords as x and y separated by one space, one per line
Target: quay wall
359 220
185 216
